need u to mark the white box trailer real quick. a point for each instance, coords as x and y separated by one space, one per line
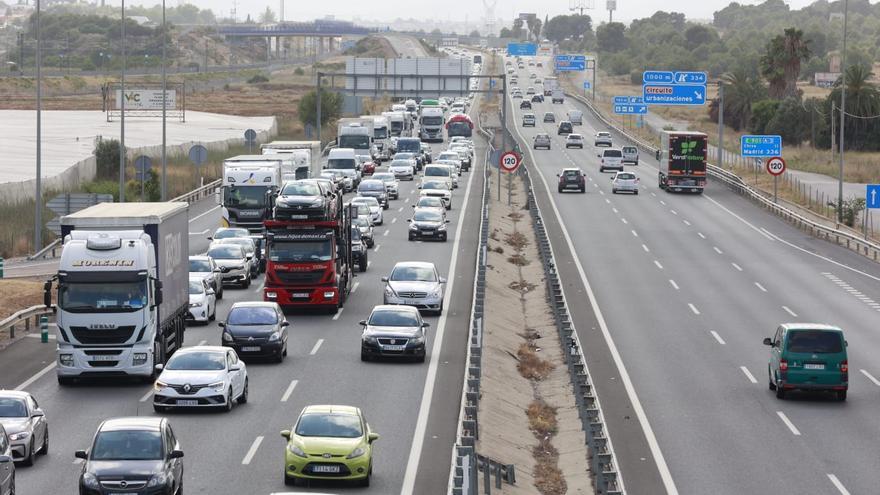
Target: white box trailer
306 156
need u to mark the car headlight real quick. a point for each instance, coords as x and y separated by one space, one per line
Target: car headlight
159 385
417 340
217 386
442 226
318 202
227 337
238 267
275 336
195 305
158 479
356 453
389 291
369 339
19 436
436 292
90 481
297 451
413 226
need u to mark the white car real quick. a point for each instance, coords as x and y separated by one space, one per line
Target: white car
402 169
375 208
206 267
415 283
625 181
454 169
236 262
201 376
437 188
392 185
202 300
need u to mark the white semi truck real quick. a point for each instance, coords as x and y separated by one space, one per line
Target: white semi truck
431 122
305 156
356 133
122 289
381 136
250 183
400 124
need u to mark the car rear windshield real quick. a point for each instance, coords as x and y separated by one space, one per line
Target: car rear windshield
128 445
572 173
626 176
200 361
374 185
436 172
252 316
400 163
227 233
329 425
393 318
814 341
613 153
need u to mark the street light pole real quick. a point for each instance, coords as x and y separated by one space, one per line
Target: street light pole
842 115
122 115
720 124
164 104
38 197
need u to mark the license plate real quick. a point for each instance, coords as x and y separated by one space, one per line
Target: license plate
104 357
410 302
813 366
250 349
301 294
393 347
299 217
187 402
325 469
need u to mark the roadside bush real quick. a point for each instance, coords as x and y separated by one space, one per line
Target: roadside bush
257 79
107 158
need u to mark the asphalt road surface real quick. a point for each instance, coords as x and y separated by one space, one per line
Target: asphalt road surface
687 286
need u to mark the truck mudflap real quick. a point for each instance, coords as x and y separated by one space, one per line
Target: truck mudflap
304 296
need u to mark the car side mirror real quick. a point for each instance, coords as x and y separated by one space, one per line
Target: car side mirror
447 220
285 323
235 367
175 454
384 279
442 280
409 220
612 178
159 367
210 238
425 324
285 434
81 454
657 155
47 293
363 322
769 342
373 437
38 413
210 292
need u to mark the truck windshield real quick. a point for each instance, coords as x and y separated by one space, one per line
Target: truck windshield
245 196
296 251
357 142
108 297
396 126
380 133
432 120
341 163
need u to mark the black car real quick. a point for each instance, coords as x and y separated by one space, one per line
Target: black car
304 200
359 249
564 128
132 455
549 117
538 98
256 329
525 105
394 331
374 188
571 178
428 223
259 253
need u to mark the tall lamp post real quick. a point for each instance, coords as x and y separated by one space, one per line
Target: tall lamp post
164 104
842 115
122 115
38 197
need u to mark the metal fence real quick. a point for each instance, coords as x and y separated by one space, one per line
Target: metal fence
21 320
849 240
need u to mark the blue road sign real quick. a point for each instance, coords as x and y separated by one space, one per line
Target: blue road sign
635 109
522 49
658 76
674 94
142 166
198 154
621 100
587 85
761 146
571 62
872 196
690 78
629 100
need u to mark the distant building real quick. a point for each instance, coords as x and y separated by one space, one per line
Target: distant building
142 21
825 79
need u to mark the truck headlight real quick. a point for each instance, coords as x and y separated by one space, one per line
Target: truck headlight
65 359
271 295
139 358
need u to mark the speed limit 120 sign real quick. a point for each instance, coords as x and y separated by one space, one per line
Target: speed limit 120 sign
510 161
776 165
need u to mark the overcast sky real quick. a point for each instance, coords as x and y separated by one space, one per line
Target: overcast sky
459 10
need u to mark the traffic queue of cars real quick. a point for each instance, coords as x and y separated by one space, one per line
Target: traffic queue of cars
143 455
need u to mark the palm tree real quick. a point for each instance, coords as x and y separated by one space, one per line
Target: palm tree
740 92
781 63
862 100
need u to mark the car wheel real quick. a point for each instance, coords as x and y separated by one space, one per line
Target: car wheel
841 395
363 264
247 282
636 192
229 402
159 409
583 189
64 381
213 314
220 292
289 480
601 170
613 191
780 392
411 237
770 384
244 393
364 356
366 481
559 189
45 448
29 460
420 359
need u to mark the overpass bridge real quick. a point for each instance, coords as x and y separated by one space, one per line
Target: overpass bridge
297 38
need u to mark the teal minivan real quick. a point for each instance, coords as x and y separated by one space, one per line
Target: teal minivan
808 356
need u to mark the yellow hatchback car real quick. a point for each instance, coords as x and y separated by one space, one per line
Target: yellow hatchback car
329 443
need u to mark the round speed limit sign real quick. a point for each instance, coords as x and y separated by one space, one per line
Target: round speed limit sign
510 161
776 166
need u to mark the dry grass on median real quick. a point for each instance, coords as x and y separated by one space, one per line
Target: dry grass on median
18 294
549 479
530 365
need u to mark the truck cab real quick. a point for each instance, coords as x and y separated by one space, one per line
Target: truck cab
431 123
249 189
356 134
344 161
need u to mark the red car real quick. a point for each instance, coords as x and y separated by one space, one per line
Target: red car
369 168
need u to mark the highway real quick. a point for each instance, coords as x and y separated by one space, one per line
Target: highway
685 288
406 46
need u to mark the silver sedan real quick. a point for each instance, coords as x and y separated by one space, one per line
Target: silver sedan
415 283
25 424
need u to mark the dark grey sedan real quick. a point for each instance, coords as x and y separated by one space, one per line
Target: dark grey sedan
394 331
256 329
542 141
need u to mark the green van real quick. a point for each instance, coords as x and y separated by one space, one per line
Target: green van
808 356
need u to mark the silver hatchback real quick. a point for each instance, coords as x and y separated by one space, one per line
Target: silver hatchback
630 155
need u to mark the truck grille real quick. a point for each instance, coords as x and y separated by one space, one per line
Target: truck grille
87 336
294 278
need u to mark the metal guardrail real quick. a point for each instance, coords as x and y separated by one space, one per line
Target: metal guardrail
46 250
738 184
199 193
24 317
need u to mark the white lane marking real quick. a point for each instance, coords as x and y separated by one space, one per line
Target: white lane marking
870 377
654 194
193 219
673 212
673 284
608 201
737 266
200 233
623 220
717 250
701 235
338 314
369 263
635 234
406 200
686 223
252 451
376 249
258 289
694 308
202 342
147 395
289 390
718 337
741 219
355 287
658 264
415 452
394 220
789 311
400 209
601 192
320 341
614 210
663 202
385 234
650 437
760 287
36 376
788 423
837 484
646 248
748 374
